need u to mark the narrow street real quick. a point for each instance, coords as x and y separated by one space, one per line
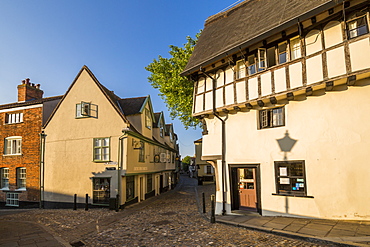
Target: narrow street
171 219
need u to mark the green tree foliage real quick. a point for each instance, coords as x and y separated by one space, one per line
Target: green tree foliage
186 160
175 90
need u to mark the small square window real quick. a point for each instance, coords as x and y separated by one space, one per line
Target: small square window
11 118
148 119
240 69
86 109
251 65
271 118
295 48
290 178
12 199
282 51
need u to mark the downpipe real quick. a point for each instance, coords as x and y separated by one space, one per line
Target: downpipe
223 139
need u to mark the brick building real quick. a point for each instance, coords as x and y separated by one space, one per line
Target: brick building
20 128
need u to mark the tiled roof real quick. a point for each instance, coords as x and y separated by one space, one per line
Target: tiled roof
132 106
235 28
30 102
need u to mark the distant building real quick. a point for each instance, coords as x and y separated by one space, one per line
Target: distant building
282 88
99 144
205 171
20 129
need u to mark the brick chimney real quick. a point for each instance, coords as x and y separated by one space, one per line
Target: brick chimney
29 91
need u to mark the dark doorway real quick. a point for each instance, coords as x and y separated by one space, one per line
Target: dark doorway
245 187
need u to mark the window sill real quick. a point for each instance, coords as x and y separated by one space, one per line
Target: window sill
21 189
101 161
289 195
5 189
12 154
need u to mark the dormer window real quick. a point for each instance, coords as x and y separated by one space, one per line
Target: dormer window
148 119
357 25
161 129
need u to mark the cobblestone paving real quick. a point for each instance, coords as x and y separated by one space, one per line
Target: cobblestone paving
172 219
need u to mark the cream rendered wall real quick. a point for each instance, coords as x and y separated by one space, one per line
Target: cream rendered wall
253 88
360 51
295 75
280 80
69 165
240 92
333 138
266 84
336 62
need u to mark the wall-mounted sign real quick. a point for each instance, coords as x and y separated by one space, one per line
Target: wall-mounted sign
284 181
111 163
140 168
156 158
283 171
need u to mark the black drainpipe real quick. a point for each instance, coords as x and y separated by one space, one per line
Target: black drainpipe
223 143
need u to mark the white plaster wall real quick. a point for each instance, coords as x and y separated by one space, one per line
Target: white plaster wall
280 80
336 62
295 75
229 93
229 75
209 83
253 88
333 34
332 137
313 42
359 53
209 101
266 83
240 92
220 97
212 141
314 69
201 84
220 77
198 103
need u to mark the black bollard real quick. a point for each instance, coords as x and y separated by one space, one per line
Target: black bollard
75 203
87 202
117 203
204 203
213 218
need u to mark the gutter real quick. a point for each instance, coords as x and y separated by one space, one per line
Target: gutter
223 139
42 168
120 164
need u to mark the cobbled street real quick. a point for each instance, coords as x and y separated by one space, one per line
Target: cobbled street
171 219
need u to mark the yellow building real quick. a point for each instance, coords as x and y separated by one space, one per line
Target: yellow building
205 171
283 88
98 144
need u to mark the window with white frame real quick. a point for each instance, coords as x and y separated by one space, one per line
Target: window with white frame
12 199
101 149
161 129
357 24
271 118
11 118
4 173
240 69
13 145
295 48
21 178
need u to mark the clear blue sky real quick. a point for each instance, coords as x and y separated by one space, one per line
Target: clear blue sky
49 42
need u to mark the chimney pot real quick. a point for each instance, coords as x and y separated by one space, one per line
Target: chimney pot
28 80
23 81
38 86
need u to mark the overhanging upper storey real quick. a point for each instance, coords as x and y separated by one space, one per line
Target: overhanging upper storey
287 51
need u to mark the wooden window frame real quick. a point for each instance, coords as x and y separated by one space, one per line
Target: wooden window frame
21 178
298 183
14 118
4 179
267 117
14 202
13 145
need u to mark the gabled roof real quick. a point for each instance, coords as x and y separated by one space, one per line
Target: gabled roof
28 103
111 97
157 117
168 128
131 106
249 22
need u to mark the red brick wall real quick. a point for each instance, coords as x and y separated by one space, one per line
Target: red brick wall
28 92
30 158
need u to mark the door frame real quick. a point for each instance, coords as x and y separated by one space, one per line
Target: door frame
234 185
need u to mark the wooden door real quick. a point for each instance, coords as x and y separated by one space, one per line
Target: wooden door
247 188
